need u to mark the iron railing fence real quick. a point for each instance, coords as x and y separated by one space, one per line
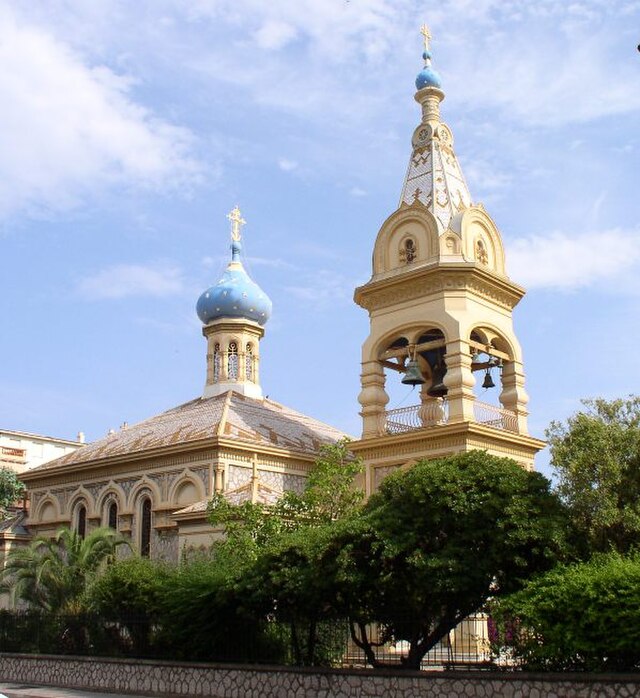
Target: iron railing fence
323 643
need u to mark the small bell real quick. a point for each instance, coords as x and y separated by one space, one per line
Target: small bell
488 380
413 374
437 387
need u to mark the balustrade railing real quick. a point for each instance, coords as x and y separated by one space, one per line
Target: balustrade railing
494 416
434 412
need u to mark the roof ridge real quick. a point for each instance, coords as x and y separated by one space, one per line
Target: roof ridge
225 413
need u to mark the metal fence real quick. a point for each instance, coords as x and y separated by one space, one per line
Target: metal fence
323 643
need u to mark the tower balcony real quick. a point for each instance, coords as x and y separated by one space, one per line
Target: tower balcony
436 412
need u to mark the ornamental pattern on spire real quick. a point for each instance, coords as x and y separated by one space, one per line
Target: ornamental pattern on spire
434 178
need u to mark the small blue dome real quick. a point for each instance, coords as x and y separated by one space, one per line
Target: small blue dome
428 77
236 295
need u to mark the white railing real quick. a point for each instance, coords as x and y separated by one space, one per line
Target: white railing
416 417
437 412
493 416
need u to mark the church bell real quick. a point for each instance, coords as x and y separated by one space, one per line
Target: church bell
488 380
437 387
413 375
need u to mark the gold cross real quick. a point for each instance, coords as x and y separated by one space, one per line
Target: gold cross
424 30
236 222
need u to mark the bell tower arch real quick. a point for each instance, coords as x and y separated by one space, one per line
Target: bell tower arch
440 307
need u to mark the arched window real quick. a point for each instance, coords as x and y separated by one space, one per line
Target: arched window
249 363
82 521
145 528
216 363
408 251
113 516
232 361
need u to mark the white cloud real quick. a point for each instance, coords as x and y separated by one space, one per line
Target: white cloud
68 129
323 289
124 280
274 34
567 262
357 192
287 165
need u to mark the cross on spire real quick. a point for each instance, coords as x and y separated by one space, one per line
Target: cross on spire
424 30
237 221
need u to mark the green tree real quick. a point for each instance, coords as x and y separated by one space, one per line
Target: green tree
329 494
11 488
437 541
52 575
596 457
578 617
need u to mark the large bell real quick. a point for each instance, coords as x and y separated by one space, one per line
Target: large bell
488 380
413 374
437 387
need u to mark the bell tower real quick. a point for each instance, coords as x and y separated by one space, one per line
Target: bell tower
440 307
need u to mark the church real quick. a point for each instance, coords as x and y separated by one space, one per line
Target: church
440 306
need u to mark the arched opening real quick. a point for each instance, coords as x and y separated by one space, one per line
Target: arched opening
232 361
112 518
145 527
81 521
249 373
414 368
216 362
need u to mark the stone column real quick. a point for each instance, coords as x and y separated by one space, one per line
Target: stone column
513 396
459 380
373 399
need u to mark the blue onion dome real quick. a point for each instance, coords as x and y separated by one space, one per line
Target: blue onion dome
428 77
236 295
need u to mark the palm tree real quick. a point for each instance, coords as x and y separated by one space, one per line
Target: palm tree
52 575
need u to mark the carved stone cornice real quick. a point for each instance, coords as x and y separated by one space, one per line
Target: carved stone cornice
423 282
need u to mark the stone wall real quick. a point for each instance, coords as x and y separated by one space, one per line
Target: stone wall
222 681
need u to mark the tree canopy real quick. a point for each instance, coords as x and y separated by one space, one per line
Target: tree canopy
11 488
436 541
53 574
596 457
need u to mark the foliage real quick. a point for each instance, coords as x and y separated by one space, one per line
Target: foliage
438 540
53 574
329 494
11 488
584 616
596 457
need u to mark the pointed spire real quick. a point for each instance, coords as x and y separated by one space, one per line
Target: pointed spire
434 178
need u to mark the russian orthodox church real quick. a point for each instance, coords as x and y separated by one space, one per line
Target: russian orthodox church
440 306
153 480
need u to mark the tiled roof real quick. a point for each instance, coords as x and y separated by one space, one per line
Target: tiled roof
14 524
230 415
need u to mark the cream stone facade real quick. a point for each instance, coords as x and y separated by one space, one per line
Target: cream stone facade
440 305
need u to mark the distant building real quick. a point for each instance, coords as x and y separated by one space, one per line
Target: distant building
20 450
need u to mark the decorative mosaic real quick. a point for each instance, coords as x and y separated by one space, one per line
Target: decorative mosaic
237 476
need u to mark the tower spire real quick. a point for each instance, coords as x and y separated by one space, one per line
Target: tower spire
434 178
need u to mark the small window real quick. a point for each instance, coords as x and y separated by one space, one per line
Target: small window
408 251
249 363
216 363
82 522
232 359
113 516
145 528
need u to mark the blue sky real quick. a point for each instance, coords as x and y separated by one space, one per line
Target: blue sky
129 130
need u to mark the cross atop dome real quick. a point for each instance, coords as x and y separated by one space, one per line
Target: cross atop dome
237 221
424 30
